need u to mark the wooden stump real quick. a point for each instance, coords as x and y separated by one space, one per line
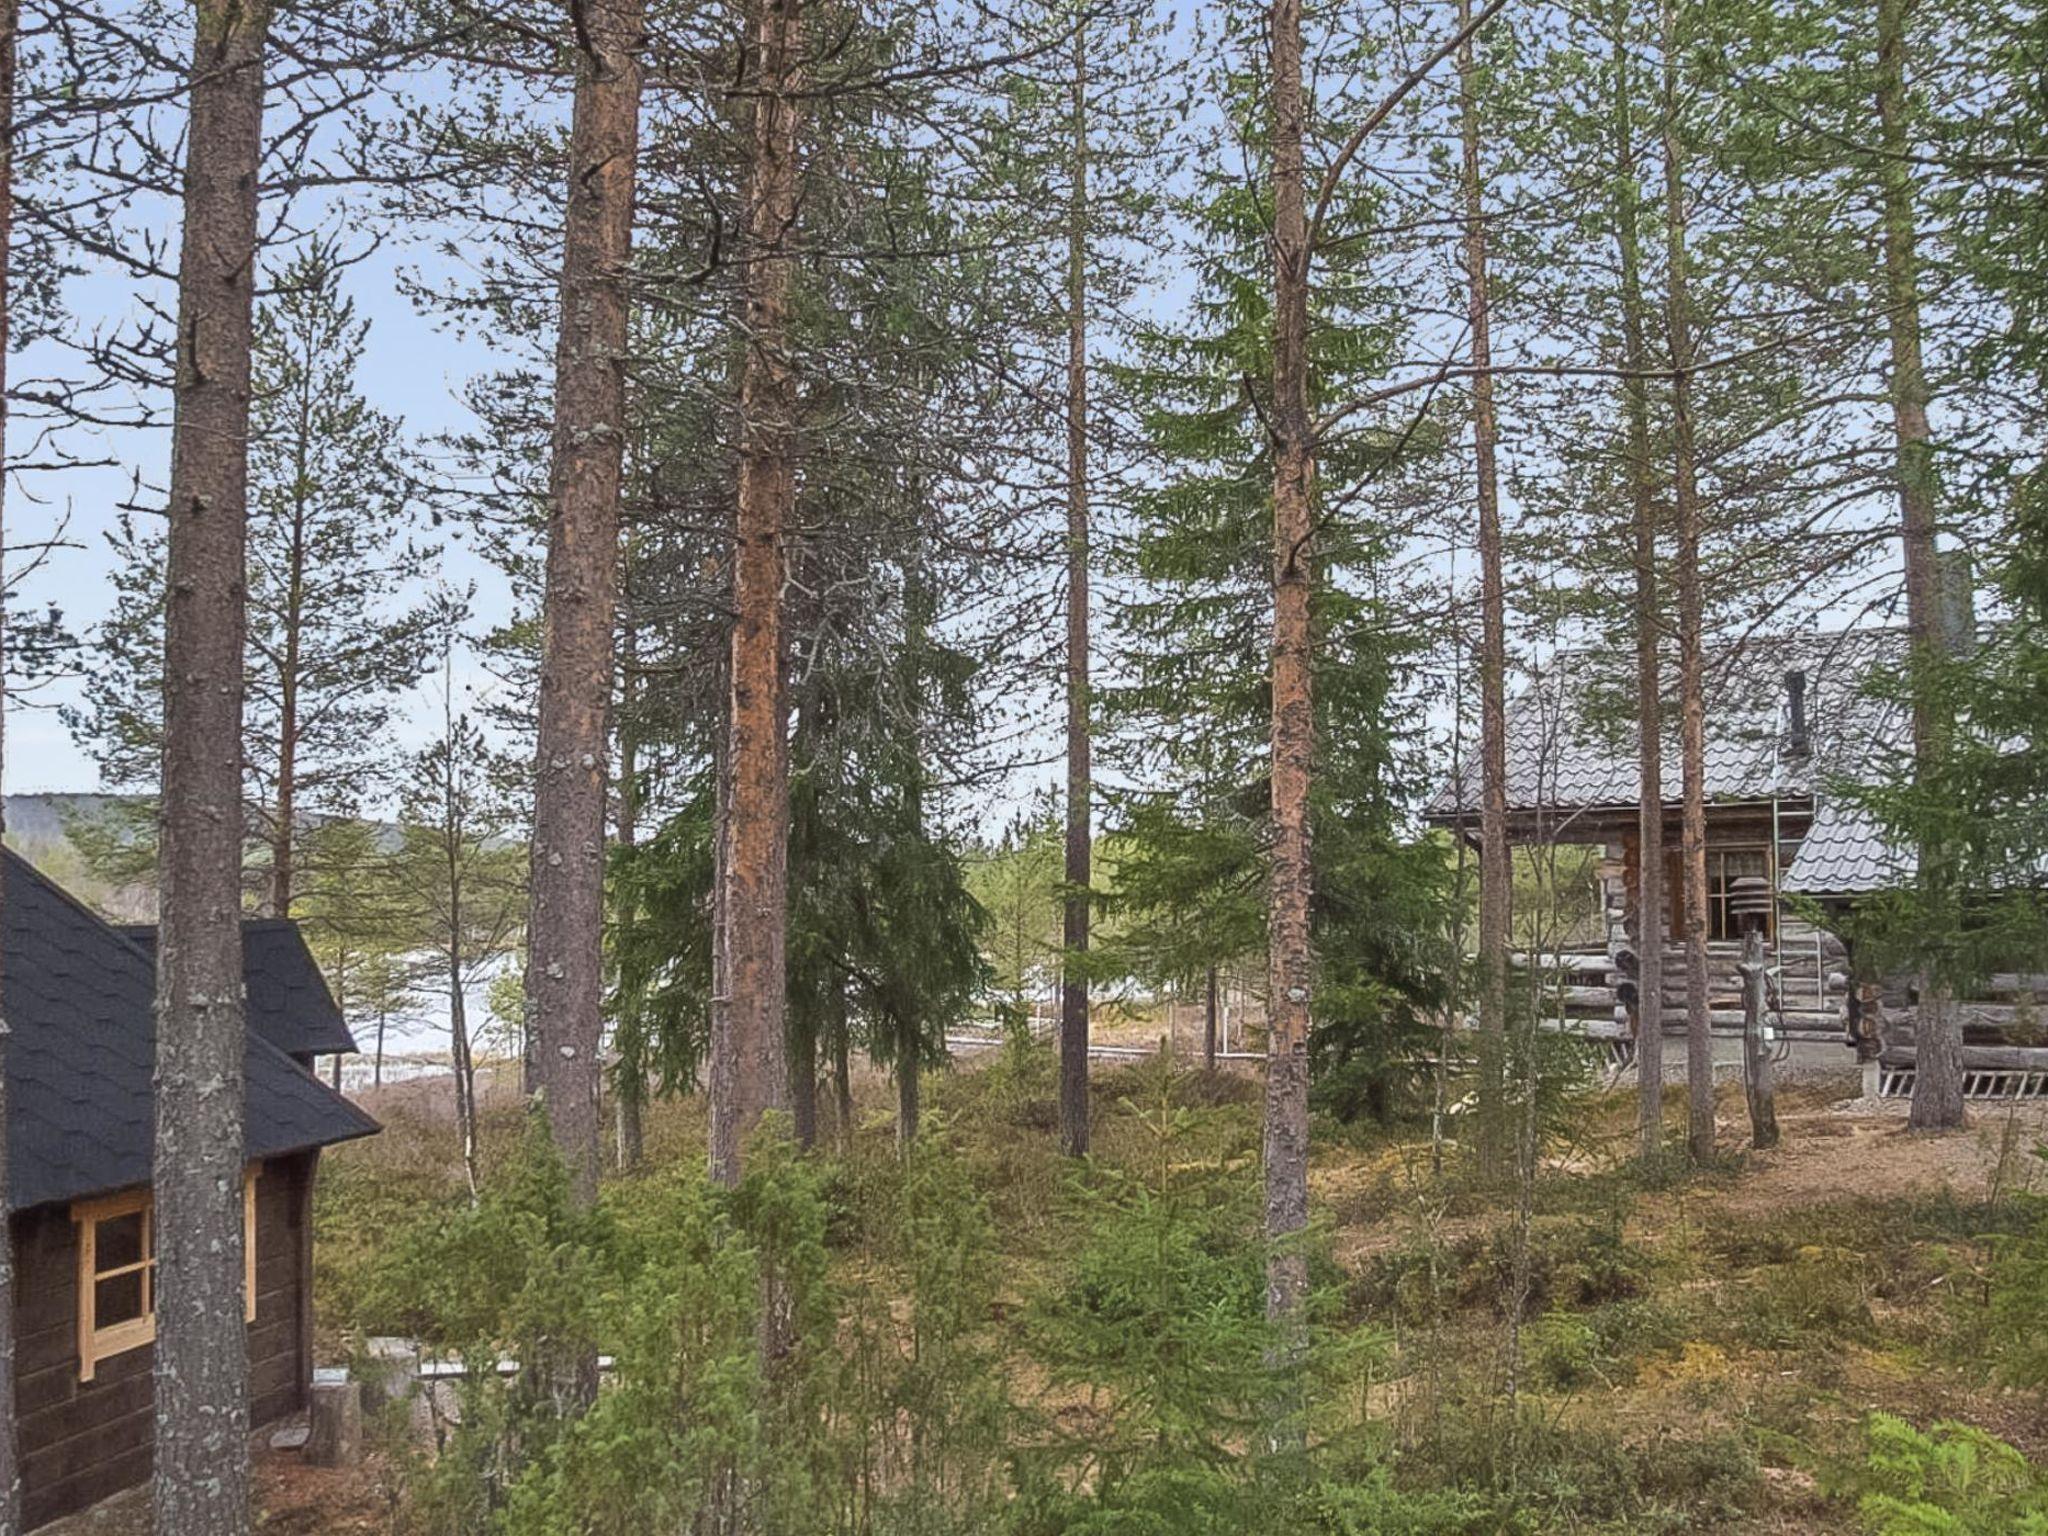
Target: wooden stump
336 1438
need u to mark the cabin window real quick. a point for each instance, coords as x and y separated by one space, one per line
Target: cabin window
117 1272
1725 866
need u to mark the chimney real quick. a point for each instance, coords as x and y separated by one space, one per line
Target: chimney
1956 615
1798 742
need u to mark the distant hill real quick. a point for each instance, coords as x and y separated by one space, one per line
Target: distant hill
39 828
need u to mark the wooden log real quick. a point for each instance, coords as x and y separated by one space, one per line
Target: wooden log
1756 1051
336 1424
1981 1058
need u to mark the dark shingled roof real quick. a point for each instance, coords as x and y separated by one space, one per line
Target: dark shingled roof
78 1000
1571 745
288 1001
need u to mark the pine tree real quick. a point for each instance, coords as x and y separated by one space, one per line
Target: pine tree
564 976
456 877
201 1478
334 638
10 1471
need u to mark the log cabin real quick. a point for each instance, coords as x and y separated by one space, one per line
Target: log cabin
1789 720
79 1060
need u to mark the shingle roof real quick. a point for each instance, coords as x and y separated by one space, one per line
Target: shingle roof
1845 853
1571 745
288 1000
1571 734
80 1053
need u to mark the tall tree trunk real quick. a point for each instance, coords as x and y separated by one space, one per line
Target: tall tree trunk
285 808
1649 891
1938 1068
1496 881
909 1091
842 1072
1209 1019
1080 780
465 1068
1290 961
565 927
629 1087
377 1066
10 1468
1756 1050
1699 1038
803 1086
755 1073
201 1482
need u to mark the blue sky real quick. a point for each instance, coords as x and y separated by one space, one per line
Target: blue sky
411 368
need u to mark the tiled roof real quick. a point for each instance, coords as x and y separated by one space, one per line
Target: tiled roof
77 996
1571 745
1845 853
288 1000
1571 734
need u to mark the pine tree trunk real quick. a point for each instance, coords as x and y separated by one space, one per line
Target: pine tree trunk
842 1073
1080 783
1938 1067
465 1067
1699 1038
377 1068
1209 1020
565 927
10 1469
201 1482
1649 891
1756 1052
1496 880
803 1086
909 1094
1290 961
755 1074
284 809
629 1088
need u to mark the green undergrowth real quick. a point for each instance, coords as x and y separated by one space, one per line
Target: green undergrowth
981 1336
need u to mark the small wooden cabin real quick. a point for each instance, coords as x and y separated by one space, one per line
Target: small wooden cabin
1787 718
80 1055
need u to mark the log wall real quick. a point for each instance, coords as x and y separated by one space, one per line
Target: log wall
80 1442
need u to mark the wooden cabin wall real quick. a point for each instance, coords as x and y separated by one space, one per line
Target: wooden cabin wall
80 1442
1813 974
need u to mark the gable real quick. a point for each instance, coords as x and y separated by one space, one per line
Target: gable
287 998
78 999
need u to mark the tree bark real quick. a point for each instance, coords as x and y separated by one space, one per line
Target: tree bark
1209 1019
1290 957
1699 1037
842 1073
1074 1020
284 810
1649 892
1756 1050
464 1061
629 1086
1496 879
201 1481
803 1087
565 927
909 1095
10 1467
754 1072
1938 1074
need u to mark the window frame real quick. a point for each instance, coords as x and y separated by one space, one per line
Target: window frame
97 1344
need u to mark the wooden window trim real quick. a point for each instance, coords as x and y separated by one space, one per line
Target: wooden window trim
95 1343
